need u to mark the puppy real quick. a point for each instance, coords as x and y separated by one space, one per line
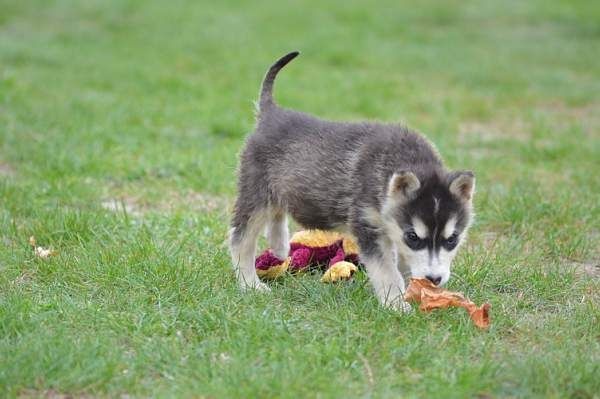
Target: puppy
383 183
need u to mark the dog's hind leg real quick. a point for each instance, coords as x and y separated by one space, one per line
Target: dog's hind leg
249 219
278 235
243 237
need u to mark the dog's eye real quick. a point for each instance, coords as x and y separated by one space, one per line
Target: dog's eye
413 240
452 239
451 242
412 236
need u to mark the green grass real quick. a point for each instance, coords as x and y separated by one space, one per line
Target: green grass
148 103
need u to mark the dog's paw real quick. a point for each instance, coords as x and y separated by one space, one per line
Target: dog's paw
404 307
254 284
399 305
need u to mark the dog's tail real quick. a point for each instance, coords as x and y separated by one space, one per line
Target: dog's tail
266 92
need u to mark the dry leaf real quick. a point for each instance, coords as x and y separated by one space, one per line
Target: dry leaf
41 252
431 297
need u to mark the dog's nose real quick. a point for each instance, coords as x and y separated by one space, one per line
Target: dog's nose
434 279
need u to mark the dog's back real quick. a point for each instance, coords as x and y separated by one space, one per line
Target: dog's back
316 168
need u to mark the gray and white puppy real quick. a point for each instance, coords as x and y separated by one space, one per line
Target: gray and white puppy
382 182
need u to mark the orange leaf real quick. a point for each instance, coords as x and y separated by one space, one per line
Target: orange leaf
423 291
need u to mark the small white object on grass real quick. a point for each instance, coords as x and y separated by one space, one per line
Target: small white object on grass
41 252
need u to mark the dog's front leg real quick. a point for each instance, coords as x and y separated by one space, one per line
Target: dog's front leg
378 254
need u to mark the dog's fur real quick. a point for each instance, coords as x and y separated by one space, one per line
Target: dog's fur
384 183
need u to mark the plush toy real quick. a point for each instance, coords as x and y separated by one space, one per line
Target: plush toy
334 252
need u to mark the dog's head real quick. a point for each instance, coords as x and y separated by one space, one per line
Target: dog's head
428 220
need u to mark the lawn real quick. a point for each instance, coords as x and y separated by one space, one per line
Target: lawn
120 125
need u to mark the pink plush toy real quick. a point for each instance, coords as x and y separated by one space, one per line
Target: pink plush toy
335 252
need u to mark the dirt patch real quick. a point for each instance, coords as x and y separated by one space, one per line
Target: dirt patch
587 116
24 278
196 201
124 204
493 130
489 239
6 170
585 269
137 206
533 321
51 394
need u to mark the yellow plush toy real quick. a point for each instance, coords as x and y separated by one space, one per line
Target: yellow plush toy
335 252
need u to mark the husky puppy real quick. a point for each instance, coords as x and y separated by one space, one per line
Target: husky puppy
384 183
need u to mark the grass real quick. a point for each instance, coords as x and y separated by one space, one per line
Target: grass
120 122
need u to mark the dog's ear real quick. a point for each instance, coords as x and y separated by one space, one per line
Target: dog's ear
403 186
462 185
